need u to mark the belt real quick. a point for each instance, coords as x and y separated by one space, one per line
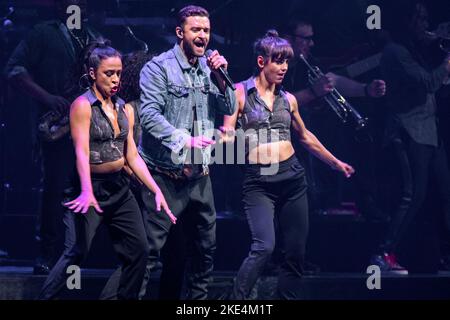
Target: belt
187 173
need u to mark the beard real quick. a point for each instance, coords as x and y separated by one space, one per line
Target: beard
191 50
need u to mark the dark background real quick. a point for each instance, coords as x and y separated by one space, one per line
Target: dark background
339 25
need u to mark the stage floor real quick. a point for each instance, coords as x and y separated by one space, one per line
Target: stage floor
18 283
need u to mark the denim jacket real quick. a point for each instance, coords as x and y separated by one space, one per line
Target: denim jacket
168 98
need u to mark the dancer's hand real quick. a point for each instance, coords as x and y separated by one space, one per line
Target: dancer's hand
160 201
343 167
83 202
227 134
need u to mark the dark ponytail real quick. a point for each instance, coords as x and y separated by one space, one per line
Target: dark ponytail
90 57
98 51
272 47
271 33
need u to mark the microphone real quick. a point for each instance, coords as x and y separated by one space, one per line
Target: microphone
222 72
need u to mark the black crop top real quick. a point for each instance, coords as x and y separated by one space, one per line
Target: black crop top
103 145
258 122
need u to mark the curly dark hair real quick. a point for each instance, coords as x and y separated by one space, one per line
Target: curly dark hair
132 66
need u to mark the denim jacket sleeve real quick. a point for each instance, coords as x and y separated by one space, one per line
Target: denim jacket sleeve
154 95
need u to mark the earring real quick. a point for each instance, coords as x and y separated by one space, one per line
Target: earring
83 82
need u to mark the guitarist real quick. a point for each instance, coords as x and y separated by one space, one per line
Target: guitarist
39 67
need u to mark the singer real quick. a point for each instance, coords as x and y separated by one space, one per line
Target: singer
266 113
178 104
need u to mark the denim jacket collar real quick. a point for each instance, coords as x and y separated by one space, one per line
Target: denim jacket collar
183 61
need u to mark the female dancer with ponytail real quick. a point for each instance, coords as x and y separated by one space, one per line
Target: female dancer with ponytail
274 179
101 127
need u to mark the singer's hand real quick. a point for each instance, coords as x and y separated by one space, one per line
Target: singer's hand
215 61
199 142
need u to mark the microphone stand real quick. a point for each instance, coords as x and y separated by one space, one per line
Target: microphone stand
141 42
129 31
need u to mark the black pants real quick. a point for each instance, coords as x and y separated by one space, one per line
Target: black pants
285 194
58 161
173 256
122 216
191 201
418 163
